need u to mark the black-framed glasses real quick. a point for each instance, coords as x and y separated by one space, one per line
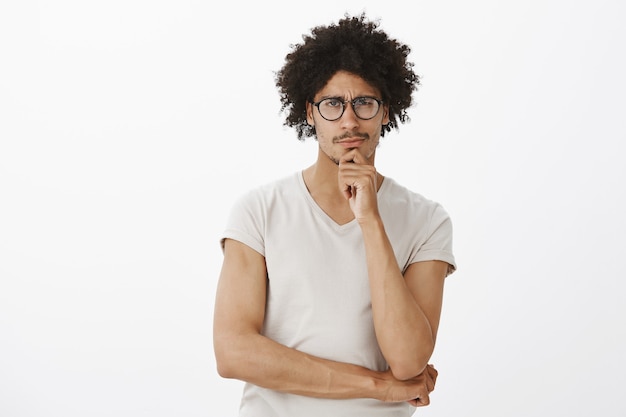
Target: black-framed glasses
332 108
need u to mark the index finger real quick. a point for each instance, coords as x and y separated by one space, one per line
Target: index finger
354 155
347 157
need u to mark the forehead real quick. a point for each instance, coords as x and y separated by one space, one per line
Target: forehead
346 84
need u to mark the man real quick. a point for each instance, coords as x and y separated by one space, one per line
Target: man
330 293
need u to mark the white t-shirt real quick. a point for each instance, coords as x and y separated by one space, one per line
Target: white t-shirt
318 298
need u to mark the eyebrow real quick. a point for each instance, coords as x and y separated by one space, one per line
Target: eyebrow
345 99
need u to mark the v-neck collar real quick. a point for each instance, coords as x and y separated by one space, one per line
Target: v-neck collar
322 214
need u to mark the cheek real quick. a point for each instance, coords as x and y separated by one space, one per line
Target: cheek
321 136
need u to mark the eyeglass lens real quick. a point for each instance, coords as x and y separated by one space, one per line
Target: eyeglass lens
333 108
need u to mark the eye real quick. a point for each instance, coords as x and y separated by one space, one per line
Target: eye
332 102
364 101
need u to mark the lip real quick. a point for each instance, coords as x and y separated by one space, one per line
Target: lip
351 143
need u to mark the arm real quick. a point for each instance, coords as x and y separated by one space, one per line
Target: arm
406 308
242 352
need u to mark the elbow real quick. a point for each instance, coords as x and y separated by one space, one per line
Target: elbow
225 361
409 368
225 369
234 353
404 373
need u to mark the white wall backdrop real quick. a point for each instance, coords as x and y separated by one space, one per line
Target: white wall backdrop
127 129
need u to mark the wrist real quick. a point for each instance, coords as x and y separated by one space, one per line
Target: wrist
372 224
381 384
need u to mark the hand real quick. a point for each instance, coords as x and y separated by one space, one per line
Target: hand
415 391
358 180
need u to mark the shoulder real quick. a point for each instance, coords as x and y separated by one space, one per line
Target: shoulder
248 217
265 193
400 199
419 222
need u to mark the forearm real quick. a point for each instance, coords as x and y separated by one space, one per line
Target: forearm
243 353
259 360
403 330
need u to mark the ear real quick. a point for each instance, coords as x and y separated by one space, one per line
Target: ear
385 120
309 114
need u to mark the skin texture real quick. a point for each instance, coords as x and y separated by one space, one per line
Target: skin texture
406 308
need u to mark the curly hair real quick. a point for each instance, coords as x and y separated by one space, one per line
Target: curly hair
355 45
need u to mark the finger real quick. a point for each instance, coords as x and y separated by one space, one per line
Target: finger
348 157
355 156
430 385
421 401
348 191
432 372
433 379
358 157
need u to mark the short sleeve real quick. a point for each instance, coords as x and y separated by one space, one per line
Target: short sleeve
246 223
438 243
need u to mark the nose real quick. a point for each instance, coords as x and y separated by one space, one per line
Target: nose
349 118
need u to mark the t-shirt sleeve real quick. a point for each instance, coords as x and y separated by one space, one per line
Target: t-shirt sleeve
438 243
245 223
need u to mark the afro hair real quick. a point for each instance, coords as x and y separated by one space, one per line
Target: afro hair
355 45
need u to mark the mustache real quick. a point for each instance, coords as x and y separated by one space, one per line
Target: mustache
347 135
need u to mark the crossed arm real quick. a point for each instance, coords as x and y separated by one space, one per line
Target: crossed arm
406 314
